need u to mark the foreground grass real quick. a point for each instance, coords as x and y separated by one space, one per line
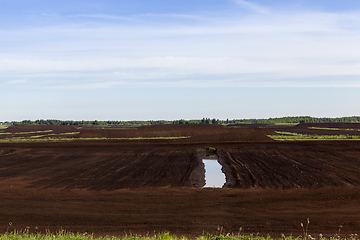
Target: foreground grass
163 236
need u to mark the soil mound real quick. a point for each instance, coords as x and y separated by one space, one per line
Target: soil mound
197 133
83 127
326 128
54 128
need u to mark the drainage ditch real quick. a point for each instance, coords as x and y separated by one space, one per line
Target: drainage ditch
214 177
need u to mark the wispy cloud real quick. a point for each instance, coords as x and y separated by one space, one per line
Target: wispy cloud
105 16
143 17
19 81
208 83
248 48
254 7
180 16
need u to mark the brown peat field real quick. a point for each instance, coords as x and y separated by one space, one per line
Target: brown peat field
115 181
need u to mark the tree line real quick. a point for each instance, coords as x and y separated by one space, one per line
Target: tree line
298 119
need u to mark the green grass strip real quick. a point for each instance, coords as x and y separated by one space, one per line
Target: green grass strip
67 133
46 131
334 129
35 139
299 137
287 133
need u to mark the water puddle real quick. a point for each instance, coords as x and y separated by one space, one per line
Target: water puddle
214 177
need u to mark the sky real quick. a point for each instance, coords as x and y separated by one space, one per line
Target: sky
189 59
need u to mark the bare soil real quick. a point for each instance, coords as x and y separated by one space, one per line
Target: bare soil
305 128
197 133
114 187
54 128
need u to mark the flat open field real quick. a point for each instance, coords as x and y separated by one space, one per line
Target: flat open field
122 185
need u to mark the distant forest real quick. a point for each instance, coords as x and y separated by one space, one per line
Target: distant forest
300 119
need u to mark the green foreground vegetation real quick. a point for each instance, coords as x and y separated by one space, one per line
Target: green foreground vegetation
280 120
163 236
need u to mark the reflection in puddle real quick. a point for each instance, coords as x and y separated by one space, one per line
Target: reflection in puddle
214 177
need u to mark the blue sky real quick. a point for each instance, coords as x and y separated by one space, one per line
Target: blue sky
188 59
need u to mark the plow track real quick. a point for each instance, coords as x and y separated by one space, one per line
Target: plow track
294 166
105 169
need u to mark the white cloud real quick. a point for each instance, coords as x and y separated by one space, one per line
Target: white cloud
172 67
